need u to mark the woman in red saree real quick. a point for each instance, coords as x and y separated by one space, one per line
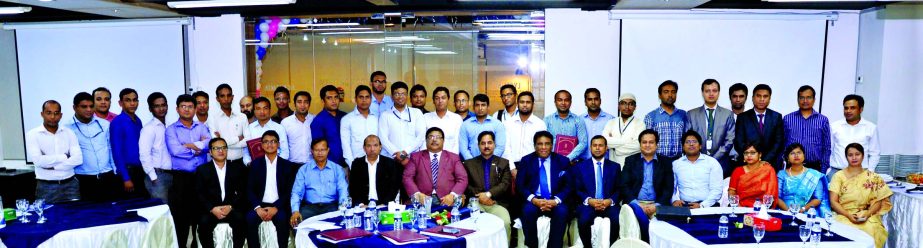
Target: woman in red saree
754 180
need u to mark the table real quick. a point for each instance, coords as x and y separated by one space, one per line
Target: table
157 231
663 234
905 220
490 231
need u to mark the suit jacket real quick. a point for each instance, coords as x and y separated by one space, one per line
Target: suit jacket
633 178
208 190
256 183
770 140
528 180
500 178
418 176
584 177
722 134
388 176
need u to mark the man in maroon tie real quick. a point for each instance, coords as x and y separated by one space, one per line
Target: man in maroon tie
763 126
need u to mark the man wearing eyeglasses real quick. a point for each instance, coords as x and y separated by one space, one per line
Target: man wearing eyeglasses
221 195
319 185
268 189
699 178
98 181
402 128
622 133
435 171
508 97
186 142
381 102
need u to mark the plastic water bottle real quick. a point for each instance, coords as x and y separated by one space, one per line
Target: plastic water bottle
723 227
757 205
815 233
456 215
348 218
357 217
421 218
812 213
367 218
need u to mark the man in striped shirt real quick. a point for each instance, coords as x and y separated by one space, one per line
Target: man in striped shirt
809 128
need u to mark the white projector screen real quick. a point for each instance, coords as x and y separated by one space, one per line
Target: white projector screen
56 63
784 54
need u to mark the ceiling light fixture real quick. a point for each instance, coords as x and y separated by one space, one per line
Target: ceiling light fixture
436 52
320 24
225 3
513 28
334 29
14 10
510 20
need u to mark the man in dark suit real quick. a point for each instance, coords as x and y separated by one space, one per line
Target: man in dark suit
762 126
385 185
450 179
489 180
645 171
597 184
543 181
219 188
268 190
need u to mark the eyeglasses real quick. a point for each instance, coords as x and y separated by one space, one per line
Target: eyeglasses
435 137
219 148
400 94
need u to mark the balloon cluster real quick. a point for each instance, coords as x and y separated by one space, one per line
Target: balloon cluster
266 31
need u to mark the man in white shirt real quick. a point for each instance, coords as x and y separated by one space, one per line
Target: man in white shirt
201 108
853 129
521 130
622 133
230 126
246 108
263 123
402 129
152 149
55 152
297 133
444 119
508 97
268 187
220 191
357 125
699 178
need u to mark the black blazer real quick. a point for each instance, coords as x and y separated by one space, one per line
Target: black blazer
771 140
633 178
256 183
527 180
388 180
208 191
501 179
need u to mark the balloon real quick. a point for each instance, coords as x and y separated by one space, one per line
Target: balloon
286 21
264 37
259 64
281 29
264 27
264 45
259 72
260 53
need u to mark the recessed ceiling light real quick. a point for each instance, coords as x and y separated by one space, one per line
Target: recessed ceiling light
46 0
14 10
225 3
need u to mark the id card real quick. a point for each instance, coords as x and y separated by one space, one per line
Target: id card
708 144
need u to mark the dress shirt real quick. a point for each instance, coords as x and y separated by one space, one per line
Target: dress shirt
94 145
596 164
124 134
257 130
468 137
298 135
109 116
519 137
231 128
402 130
647 192
470 114
538 190
670 128
595 127
865 133
222 172
571 126
152 148
506 114
183 158
373 179
48 152
316 185
382 106
813 133
622 138
699 181
354 128
449 122
327 126
271 193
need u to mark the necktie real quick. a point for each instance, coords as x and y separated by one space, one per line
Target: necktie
711 121
599 180
434 165
543 179
487 175
761 121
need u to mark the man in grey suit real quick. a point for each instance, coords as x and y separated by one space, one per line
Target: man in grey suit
716 124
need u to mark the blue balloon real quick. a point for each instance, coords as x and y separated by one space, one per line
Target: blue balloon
260 53
294 21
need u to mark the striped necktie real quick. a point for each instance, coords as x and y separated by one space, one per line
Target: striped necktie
434 165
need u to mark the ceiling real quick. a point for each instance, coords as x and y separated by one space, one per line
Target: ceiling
64 10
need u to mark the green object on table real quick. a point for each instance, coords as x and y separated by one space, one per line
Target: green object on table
9 214
387 218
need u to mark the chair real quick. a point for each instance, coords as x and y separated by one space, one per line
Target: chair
268 235
599 233
543 226
628 224
630 243
223 236
724 193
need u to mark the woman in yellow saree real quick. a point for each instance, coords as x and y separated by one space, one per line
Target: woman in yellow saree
860 197
753 180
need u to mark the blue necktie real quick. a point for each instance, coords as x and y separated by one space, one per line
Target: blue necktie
543 179
599 180
487 175
434 164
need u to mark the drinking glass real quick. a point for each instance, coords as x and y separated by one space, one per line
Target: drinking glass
475 208
804 232
828 217
39 206
413 219
344 205
733 200
22 206
759 230
793 209
767 201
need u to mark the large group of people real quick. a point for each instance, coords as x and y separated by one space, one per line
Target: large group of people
388 150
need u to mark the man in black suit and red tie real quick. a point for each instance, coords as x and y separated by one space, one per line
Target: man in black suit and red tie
269 188
220 191
763 126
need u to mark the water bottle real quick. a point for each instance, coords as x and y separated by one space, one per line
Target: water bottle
357 217
757 205
421 218
723 227
456 215
2 216
812 213
815 233
348 218
367 218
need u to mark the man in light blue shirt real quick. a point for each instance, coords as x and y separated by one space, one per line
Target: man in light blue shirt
595 118
699 178
96 175
563 122
319 185
471 128
357 125
381 102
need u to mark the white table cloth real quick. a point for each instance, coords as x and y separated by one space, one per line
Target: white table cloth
663 234
132 234
489 231
905 221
